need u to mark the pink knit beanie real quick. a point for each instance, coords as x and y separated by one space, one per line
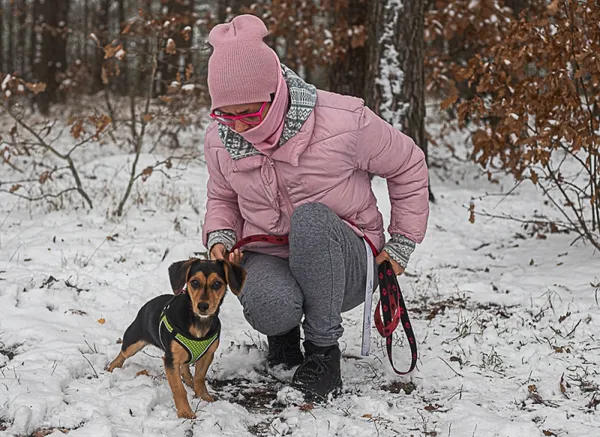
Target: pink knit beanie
242 68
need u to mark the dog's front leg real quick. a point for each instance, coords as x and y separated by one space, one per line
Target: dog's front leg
173 371
127 350
200 375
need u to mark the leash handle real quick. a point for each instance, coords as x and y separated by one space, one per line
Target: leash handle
394 310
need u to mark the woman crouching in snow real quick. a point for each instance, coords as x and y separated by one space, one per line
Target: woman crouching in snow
288 160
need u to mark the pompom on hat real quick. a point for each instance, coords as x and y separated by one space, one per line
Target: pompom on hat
242 68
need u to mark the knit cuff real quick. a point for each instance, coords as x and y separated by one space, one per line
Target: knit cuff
226 237
400 249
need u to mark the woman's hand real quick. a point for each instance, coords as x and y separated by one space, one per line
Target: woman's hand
236 256
219 251
384 256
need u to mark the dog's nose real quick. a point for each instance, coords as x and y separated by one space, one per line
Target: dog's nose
202 306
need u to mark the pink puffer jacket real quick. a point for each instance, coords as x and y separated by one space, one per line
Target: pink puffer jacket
327 161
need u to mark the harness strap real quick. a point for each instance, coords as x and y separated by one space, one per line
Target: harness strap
182 290
195 347
391 302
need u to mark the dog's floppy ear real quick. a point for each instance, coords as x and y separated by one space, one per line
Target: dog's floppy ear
178 273
235 276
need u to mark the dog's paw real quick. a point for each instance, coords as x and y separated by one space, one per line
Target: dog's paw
117 363
186 414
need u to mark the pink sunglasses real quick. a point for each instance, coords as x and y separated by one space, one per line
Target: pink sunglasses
252 119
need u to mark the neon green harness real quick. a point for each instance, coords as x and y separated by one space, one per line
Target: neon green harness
196 348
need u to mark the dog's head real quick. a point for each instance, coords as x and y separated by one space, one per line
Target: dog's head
206 282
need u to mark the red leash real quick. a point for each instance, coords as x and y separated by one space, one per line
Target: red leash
394 311
391 302
282 240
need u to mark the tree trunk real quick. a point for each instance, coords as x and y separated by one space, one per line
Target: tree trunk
33 37
101 32
21 37
291 58
86 33
10 60
42 52
395 78
123 85
174 63
517 5
143 59
50 48
347 75
395 85
193 17
59 46
222 10
230 8
2 10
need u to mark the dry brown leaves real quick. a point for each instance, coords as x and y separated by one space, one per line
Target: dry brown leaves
530 90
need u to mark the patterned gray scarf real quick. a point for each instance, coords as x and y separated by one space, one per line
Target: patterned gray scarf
303 98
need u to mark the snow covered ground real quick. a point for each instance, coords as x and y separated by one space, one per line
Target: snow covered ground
507 321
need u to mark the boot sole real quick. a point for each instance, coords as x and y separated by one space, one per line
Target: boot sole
285 365
312 396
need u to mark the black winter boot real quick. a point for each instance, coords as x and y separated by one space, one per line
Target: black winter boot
285 349
320 373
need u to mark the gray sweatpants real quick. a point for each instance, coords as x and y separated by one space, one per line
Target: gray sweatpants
324 276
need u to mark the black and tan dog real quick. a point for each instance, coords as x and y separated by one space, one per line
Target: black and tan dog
186 326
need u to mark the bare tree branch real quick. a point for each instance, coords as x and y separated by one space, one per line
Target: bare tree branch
583 226
54 151
41 197
545 221
144 123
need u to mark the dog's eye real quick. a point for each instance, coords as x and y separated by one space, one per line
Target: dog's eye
195 283
217 284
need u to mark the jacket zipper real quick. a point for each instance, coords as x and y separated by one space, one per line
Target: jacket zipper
282 191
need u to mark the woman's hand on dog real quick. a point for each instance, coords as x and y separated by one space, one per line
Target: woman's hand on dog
219 252
384 256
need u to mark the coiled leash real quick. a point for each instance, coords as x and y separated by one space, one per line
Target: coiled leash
391 303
